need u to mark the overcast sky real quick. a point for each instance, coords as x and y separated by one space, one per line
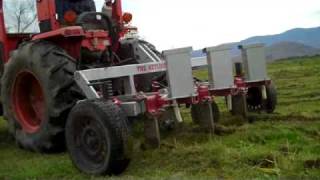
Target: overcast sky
201 23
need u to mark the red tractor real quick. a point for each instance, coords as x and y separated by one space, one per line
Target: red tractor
38 89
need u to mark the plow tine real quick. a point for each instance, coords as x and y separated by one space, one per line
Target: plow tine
212 122
151 132
177 111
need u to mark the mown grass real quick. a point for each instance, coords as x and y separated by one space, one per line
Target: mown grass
285 144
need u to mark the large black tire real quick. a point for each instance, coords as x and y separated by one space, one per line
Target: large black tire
1 73
200 114
152 47
97 137
144 82
52 69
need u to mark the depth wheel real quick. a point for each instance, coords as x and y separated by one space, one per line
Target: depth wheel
97 137
254 99
256 103
272 100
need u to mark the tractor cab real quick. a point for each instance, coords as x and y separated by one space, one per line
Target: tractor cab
69 9
21 17
81 13
55 14
61 22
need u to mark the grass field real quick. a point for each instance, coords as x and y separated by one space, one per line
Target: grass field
285 144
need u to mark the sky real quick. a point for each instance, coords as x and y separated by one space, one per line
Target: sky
203 23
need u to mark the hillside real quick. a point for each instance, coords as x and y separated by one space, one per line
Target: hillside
283 145
293 43
306 36
283 50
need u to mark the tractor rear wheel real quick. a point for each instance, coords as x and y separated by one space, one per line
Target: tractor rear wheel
37 93
144 82
97 137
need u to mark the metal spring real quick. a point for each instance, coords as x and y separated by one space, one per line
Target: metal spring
107 89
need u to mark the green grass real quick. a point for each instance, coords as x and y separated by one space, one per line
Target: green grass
281 145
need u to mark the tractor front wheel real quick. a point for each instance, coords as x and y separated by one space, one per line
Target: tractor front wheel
98 138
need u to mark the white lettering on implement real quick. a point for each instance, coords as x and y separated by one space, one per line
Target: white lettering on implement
152 68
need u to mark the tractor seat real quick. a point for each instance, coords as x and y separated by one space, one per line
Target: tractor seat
94 21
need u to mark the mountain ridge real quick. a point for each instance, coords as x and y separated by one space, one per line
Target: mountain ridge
295 42
307 36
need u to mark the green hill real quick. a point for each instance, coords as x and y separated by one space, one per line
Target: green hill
285 144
